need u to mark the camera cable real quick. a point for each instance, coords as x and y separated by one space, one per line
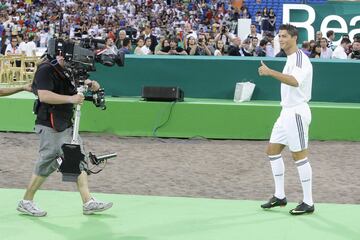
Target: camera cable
161 117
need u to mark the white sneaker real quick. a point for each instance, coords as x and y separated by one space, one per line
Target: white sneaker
29 208
93 206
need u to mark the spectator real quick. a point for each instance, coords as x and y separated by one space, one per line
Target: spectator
253 33
126 46
31 47
326 52
119 40
146 48
313 43
258 19
189 31
254 42
265 20
261 49
330 38
165 47
175 49
191 46
225 36
318 36
316 51
356 37
349 49
198 48
340 51
270 45
12 48
219 45
272 21
211 45
202 48
110 48
246 50
22 44
148 34
355 54
44 38
306 48
159 46
234 49
139 44
245 13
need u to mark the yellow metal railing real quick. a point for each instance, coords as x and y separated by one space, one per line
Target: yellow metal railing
17 69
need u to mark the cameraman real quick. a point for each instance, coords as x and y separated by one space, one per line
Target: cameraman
57 96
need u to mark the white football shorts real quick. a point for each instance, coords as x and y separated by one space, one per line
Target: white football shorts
292 127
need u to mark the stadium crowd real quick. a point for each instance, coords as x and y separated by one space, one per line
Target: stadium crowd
142 27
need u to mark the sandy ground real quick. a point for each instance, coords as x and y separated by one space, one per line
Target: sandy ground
225 169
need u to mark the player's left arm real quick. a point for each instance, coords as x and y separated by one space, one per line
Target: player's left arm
284 78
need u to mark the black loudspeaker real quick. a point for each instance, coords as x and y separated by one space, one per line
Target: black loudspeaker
165 94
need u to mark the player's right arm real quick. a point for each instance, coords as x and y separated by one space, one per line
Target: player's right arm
284 78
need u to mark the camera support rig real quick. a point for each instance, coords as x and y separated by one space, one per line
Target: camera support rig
79 60
73 156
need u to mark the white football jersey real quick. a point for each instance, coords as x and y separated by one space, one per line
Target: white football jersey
299 66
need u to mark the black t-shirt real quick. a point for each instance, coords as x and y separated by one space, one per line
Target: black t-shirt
47 78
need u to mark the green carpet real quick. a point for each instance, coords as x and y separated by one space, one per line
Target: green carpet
169 218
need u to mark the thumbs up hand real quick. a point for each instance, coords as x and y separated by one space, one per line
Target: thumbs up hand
264 70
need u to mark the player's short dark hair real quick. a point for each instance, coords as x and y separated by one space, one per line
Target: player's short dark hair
291 29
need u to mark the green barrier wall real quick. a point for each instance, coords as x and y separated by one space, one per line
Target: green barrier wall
208 118
216 77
